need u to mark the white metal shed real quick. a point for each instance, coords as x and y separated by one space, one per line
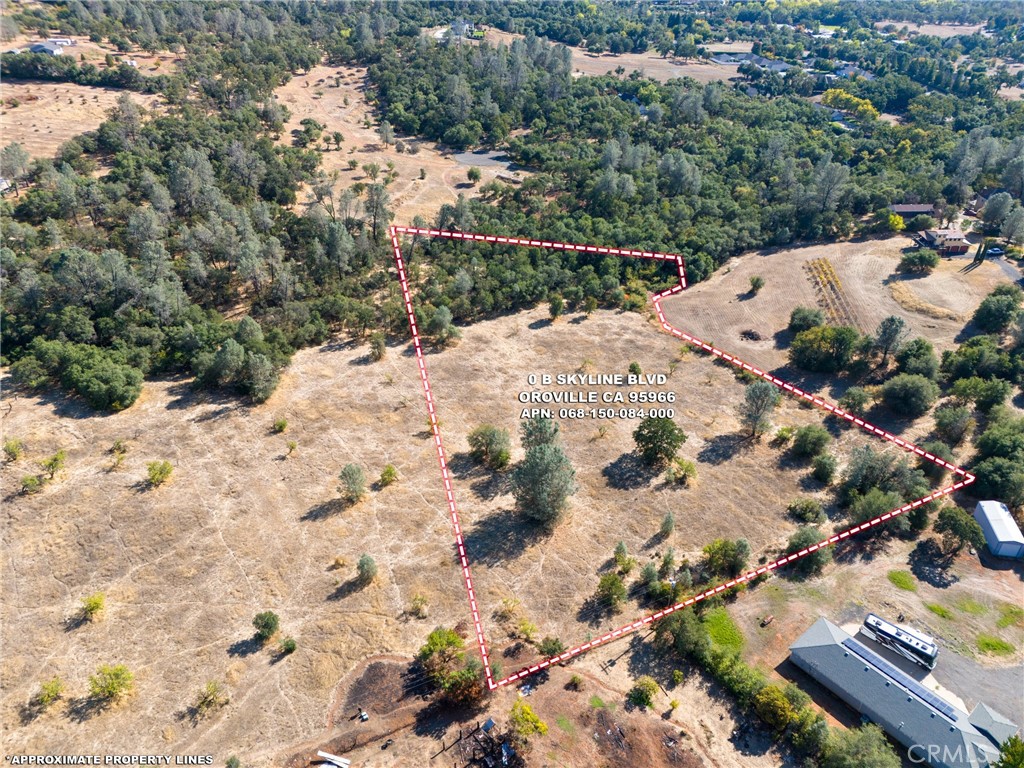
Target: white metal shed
1002 535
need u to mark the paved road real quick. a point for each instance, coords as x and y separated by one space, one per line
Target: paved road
1002 688
1011 270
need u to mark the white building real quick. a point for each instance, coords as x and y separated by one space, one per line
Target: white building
1002 535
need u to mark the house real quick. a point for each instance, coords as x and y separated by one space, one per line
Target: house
47 49
62 41
1002 535
5 187
850 70
946 241
934 731
462 28
913 209
769 65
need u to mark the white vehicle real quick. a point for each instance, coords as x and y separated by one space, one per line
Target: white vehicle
909 643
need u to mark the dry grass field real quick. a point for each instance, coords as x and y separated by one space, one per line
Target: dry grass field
314 95
937 30
85 50
936 306
241 528
48 114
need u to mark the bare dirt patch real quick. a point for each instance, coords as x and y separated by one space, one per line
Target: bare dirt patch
315 95
721 308
86 51
936 30
48 114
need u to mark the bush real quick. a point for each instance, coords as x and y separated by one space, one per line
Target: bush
280 425
643 692
288 646
998 310
92 606
864 747
986 394
556 306
953 422
551 646
266 624
811 440
824 468
31 484
756 284
378 347
211 697
388 475
824 349
54 464
910 394
942 451
855 400
491 446
725 557
658 439
807 510
611 591
353 483
13 449
810 564
918 356
772 706
805 318
921 260
682 471
50 692
111 682
158 472
366 569
668 524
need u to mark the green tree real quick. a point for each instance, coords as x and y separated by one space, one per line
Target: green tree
556 307
490 446
876 503
958 529
551 646
772 706
611 591
756 284
864 747
855 400
473 174
92 606
440 326
543 483
813 563
158 472
378 347
538 430
366 569
266 624
1011 753
54 464
825 349
759 400
922 260
111 682
889 336
353 483
589 305
805 318
998 310
811 440
524 723
953 422
388 475
643 692
910 394
824 468
725 557
918 356
657 439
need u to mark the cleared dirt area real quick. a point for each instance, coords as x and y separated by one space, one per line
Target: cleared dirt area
937 30
316 95
48 114
85 50
721 308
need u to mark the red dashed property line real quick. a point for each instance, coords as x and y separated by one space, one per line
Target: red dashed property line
968 478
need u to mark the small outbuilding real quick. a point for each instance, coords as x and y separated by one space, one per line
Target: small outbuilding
1002 534
47 49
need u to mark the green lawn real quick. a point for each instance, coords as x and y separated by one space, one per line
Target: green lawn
939 610
597 702
565 724
994 645
1010 616
724 632
903 580
967 605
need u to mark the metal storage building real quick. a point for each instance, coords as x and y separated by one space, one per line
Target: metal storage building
1002 535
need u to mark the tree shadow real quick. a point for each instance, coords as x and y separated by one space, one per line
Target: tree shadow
594 611
246 647
536 325
500 537
324 509
722 448
485 483
347 588
929 564
865 547
85 707
629 472
435 719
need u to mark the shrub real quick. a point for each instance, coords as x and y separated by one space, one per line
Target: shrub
902 580
811 440
473 174
643 691
92 606
524 723
551 646
756 284
772 706
575 683
280 425
611 591
211 697
855 400
805 318
266 624
353 483
824 468
158 472
54 464
986 394
556 306
388 475
864 747
50 693
677 677
953 422
288 646
942 451
658 439
111 682
491 446
682 471
922 260
366 569
918 356
910 394
31 484
725 557
13 448
623 561
634 369
810 564
807 510
668 524
825 349
378 347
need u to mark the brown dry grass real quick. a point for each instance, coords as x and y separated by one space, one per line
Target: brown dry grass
84 50
48 114
911 302
314 95
937 30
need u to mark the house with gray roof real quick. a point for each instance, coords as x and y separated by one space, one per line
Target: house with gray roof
1002 535
49 49
935 732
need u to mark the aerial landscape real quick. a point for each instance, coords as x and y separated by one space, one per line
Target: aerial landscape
585 383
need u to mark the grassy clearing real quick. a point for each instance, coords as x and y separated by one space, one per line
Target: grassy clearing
1010 616
903 580
940 610
973 607
565 724
597 702
724 632
994 645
